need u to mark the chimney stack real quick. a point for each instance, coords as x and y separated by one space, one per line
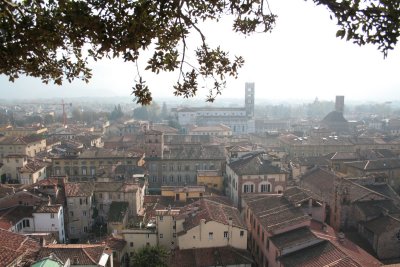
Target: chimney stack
339 104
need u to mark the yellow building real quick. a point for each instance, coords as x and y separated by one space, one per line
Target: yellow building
210 223
166 227
210 178
23 131
26 145
182 193
138 238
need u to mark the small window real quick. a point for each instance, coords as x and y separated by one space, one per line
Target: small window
226 235
52 215
131 244
241 233
210 235
161 235
161 218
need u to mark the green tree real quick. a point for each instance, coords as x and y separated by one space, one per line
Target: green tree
116 113
48 119
77 114
164 111
54 40
150 256
150 112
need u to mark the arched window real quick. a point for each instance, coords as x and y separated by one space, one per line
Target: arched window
248 188
264 187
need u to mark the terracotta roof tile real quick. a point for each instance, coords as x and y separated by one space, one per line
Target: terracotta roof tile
116 244
202 257
321 254
210 210
13 245
82 189
357 254
86 254
10 216
275 211
253 164
45 208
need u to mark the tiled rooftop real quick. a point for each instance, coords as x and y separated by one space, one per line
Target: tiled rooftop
296 194
357 254
321 179
220 256
114 187
82 189
13 245
294 237
10 216
383 224
373 165
210 210
194 151
321 254
254 164
86 254
275 211
48 208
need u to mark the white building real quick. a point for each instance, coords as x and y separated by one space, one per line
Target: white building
239 120
50 218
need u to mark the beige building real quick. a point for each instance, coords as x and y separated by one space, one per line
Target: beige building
23 131
19 168
181 163
215 130
26 145
183 193
167 227
79 209
211 179
138 238
94 161
252 174
107 192
210 222
32 172
310 146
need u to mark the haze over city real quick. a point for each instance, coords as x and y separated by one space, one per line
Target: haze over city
300 60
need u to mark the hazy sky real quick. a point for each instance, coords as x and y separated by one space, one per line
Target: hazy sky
301 59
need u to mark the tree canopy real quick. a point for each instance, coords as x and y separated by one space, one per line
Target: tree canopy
55 40
150 256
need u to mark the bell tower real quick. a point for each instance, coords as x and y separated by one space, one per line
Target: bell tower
249 99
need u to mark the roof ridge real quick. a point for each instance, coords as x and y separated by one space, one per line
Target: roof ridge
366 165
87 254
275 210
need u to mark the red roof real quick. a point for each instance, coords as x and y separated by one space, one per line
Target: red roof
13 246
353 251
86 254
